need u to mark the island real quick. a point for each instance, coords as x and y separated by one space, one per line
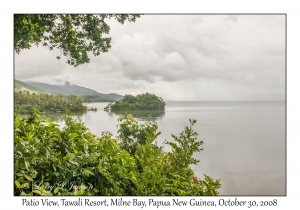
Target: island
146 101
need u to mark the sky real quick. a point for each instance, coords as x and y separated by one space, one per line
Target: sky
178 57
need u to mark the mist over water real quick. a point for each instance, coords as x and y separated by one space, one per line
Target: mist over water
244 142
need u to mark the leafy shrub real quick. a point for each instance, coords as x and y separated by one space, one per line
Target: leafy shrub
72 161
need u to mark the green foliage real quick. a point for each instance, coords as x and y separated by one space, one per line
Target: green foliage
74 35
24 102
187 146
72 161
142 101
131 133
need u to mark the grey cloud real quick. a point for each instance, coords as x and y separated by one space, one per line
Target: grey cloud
172 62
37 61
213 46
244 50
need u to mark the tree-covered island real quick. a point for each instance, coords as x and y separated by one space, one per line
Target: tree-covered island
146 101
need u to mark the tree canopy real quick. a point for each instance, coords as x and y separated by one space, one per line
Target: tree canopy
146 101
72 161
73 34
25 102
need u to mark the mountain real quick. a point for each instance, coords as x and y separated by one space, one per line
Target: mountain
18 85
69 89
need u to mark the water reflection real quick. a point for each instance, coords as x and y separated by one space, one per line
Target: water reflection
139 114
60 117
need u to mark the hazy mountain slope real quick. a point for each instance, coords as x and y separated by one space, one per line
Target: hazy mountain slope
68 89
18 85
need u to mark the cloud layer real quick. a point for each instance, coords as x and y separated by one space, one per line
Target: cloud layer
224 57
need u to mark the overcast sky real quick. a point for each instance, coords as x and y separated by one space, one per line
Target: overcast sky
178 57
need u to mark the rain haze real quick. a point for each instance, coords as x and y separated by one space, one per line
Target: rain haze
177 57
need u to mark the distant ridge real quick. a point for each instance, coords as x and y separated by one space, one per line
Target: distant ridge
69 89
18 85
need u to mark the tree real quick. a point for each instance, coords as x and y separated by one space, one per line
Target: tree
49 160
74 35
146 101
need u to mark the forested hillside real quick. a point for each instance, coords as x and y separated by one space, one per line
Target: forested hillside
69 89
18 85
24 102
85 94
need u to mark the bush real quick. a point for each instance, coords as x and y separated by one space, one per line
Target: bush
72 161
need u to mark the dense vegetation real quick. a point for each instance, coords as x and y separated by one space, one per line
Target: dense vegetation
72 161
25 102
85 94
142 101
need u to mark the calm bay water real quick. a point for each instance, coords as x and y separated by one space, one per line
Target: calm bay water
244 142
